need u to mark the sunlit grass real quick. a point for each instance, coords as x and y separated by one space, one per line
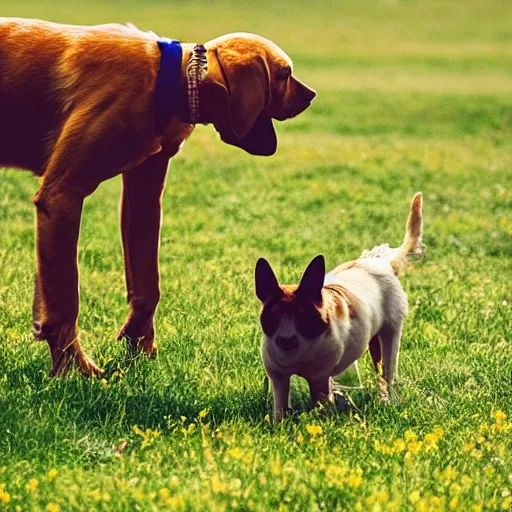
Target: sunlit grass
412 96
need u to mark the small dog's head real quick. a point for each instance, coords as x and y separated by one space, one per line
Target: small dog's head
250 82
292 317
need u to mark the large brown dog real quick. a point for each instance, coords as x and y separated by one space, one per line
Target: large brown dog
77 107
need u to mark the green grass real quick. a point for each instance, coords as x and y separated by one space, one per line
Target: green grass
412 95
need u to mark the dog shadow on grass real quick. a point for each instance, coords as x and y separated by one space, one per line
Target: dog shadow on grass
134 392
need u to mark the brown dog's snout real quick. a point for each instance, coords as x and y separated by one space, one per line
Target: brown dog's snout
307 94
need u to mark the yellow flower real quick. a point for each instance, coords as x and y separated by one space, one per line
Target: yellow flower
95 494
5 497
506 504
104 383
450 473
176 502
354 481
164 493
433 437
454 488
399 446
476 454
148 436
466 481
453 503
52 474
236 453
377 497
439 432
483 428
300 439
267 418
477 508
410 436
468 447
52 507
203 413
500 417
314 430
218 484
414 446
32 484
488 470
414 497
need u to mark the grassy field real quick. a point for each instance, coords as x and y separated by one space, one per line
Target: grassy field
412 95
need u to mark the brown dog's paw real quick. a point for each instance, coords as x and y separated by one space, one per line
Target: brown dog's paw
72 356
143 343
88 368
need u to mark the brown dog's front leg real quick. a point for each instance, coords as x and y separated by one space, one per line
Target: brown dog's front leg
140 225
55 306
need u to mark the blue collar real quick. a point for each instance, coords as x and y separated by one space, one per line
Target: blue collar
168 88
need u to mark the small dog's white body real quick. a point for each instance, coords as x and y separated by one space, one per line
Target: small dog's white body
356 305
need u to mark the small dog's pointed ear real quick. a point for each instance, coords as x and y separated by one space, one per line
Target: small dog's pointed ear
312 280
266 281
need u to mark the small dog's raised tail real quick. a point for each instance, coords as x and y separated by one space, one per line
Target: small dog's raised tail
412 241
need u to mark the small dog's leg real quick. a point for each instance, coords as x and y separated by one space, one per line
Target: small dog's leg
321 390
376 353
390 343
281 391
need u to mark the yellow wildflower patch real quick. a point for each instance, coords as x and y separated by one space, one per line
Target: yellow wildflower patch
32 485
377 497
453 503
148 435
5 497
450 474
468 447
410 436
235 453
506 504
414 497
314 430
354 481
52 507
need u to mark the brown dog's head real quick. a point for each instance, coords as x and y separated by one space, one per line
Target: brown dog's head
249 83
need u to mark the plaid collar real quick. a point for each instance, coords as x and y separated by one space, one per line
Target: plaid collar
168 88
197 69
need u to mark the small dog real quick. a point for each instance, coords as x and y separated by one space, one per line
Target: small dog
325 324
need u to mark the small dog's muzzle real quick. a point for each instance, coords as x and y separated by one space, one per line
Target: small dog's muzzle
287 343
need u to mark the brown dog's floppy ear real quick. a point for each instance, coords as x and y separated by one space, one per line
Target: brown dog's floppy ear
266 281
242 92
312 280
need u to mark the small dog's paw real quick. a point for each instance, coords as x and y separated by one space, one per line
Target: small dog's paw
342 402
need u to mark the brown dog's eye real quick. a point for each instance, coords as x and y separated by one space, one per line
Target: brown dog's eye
285 73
